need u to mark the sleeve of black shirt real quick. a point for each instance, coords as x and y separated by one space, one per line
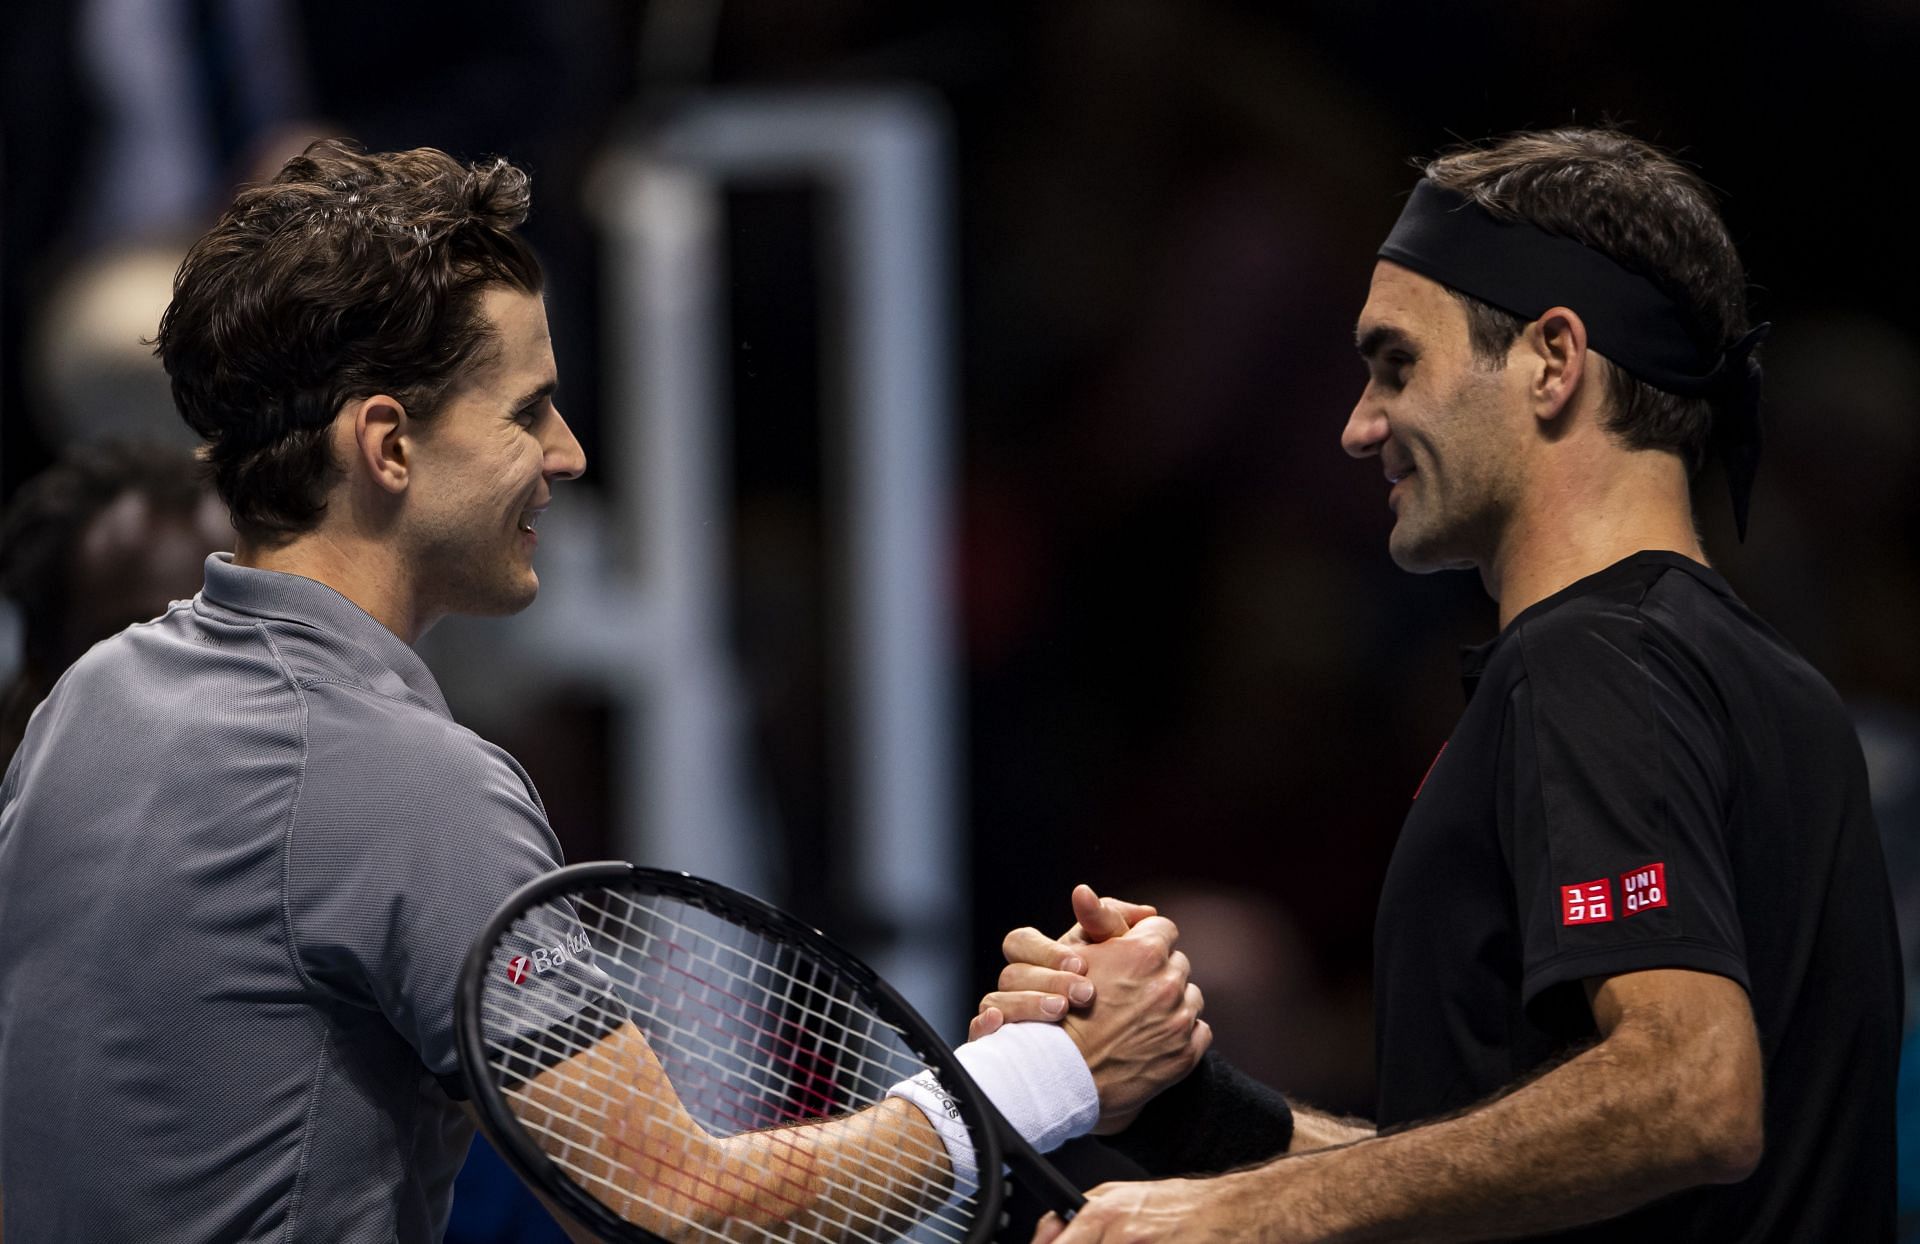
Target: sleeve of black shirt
1216 1119
1620 764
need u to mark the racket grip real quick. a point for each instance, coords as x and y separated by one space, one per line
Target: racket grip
1040 1177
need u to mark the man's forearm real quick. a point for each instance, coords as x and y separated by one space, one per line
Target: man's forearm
647 1159
1591 1139
1314 1129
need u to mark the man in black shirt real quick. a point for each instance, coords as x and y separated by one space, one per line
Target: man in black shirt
1637 976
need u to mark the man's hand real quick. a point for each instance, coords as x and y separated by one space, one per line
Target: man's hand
1044 975
1224 1210
1139 1026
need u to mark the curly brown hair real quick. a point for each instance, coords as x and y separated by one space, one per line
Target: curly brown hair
1638 206
349 274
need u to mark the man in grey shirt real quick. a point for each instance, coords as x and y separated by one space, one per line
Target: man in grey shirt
280 839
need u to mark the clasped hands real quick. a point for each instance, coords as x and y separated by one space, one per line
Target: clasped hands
1118 986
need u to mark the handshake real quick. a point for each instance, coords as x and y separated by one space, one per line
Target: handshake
1118 987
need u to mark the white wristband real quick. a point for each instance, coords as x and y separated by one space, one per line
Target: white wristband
938 1105
1034 1075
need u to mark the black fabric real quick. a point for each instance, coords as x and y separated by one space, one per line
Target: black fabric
1213 1121
1644 717
1630 318
1523 269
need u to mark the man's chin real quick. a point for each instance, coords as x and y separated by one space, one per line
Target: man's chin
1417 553
506 599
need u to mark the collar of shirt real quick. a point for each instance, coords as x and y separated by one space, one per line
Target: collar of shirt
348 636
1474 658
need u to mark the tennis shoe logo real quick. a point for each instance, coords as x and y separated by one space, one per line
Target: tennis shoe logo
547 958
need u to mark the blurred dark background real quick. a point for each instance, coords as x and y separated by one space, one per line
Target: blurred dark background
1190 673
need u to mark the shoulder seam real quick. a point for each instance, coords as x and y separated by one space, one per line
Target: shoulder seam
326 681
293 815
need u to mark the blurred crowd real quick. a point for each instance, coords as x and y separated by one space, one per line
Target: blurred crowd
1192 676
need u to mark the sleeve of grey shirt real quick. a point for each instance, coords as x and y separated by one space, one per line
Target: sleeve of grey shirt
409 833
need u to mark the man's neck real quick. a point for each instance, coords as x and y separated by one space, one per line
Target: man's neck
1578 527
363 572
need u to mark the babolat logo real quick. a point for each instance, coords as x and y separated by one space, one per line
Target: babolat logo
547 958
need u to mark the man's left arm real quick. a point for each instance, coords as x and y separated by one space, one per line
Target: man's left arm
1670 1097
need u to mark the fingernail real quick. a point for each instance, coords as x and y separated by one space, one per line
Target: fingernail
1074 964
1082 992
1054 1005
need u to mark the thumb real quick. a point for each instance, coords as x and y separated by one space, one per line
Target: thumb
1099 918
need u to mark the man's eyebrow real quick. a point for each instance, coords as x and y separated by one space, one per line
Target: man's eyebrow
537 395
1380 337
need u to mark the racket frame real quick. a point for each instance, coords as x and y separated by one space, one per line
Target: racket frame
995 1141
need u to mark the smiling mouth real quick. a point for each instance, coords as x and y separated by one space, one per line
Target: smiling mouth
529 519
1396 478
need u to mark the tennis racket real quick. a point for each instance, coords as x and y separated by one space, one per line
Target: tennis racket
669 1059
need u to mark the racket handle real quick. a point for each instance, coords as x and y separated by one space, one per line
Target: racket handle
1040 1177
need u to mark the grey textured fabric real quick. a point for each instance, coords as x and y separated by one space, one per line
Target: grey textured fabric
243 851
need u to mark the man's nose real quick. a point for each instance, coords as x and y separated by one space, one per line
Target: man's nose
1366 428
564 457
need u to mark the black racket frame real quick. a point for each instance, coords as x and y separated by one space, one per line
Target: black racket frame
995 1141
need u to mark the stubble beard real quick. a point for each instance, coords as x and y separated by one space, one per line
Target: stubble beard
1450 518
478 577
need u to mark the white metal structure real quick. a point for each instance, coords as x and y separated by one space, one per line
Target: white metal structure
882 160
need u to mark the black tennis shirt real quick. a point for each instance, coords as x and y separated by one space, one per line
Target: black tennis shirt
1647 776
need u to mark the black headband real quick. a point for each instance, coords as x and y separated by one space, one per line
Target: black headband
1524 270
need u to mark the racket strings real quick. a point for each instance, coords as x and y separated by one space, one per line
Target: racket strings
777 1049
749 1035
780 1049
692 937
877 1216
907 1174
861 1218
824 1023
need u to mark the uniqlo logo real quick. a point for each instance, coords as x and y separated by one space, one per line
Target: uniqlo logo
1590 902
517 969
1644 888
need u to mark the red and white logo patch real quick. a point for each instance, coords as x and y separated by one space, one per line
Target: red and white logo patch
1644 888
1590 902
517 969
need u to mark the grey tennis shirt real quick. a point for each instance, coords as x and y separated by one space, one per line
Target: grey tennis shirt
243 851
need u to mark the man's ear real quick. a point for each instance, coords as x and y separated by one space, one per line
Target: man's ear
380 440
1557 342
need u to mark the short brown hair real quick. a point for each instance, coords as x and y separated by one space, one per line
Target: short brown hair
348 274
1640 207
